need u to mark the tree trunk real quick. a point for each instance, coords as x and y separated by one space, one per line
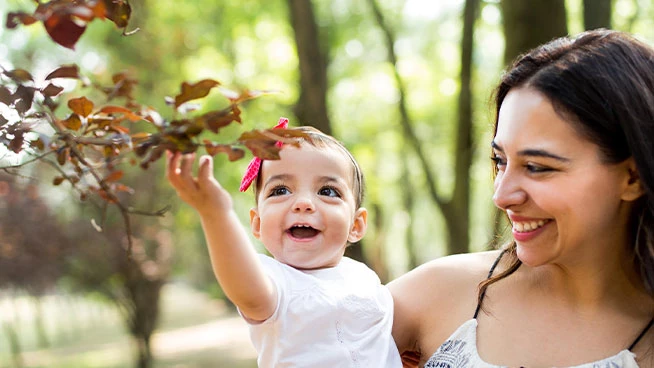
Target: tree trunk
408 200
39 324
597 14
144 352
455 209
528 24
311 108
459 217
378 240
139 304
14 344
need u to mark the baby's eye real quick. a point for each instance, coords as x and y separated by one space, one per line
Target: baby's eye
279 191
329 192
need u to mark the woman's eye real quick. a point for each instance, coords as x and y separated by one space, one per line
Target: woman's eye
279 191
329 192
537 168
499 162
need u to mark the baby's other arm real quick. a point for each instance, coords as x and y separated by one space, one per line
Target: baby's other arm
233 258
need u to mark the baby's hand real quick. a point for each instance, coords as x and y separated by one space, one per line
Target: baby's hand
203 192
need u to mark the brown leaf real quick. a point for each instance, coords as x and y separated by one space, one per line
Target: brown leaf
37 144
233 153
194 91
118 187
215 120
114 176
23 98
237 98
64 71
263 143
99 9
123 86
131 116
138 137
178 142
63 29
119 129
152 156
16 18
260 145
81 106
186 127
52 90
62 156
57 180
16 144
6 97
50 103
103 194
19 75
73 122
118 11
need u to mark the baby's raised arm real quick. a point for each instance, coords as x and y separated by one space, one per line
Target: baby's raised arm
233 258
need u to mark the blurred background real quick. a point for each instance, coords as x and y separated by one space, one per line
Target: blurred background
405 84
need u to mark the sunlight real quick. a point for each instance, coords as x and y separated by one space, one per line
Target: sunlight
280 52
92 61
448 87
429 9
491 14
384 87
354 48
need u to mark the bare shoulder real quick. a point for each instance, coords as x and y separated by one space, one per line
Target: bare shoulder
435 298
445 274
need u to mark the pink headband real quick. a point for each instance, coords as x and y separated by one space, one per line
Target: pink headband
253 167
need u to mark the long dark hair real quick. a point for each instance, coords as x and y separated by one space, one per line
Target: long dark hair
601 82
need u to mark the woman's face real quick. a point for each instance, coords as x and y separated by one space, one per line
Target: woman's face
564 203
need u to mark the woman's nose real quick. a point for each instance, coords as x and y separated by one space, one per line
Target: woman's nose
508 191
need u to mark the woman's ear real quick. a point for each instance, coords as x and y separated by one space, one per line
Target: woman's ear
255 222
633 187
359 225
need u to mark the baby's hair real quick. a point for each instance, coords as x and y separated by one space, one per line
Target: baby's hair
318 139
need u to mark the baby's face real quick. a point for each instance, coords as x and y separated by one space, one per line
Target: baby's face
306 210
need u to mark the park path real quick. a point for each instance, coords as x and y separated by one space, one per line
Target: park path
228 334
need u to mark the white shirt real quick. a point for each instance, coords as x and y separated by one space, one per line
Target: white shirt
460 351
334 317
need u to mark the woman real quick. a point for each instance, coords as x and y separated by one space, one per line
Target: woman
574 156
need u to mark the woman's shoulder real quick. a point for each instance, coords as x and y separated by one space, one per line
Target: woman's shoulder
434 299
458 269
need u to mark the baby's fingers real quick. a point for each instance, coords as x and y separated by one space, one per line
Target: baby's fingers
186 165
172 164
179 171
205 172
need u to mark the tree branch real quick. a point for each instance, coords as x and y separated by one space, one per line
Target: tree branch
405 120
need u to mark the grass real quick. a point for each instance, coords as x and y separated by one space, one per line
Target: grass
194 332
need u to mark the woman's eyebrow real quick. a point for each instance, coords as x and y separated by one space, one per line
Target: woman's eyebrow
533 153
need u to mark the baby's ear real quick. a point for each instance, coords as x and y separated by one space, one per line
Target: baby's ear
633 185
255 222
359 225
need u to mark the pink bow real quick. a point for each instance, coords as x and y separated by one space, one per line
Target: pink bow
253 167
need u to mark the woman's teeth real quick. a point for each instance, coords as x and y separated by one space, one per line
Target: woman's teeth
526 226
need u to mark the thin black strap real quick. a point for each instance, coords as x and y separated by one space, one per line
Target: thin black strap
633 345
490 273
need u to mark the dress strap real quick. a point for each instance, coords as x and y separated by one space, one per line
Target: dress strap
490 273
633 344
